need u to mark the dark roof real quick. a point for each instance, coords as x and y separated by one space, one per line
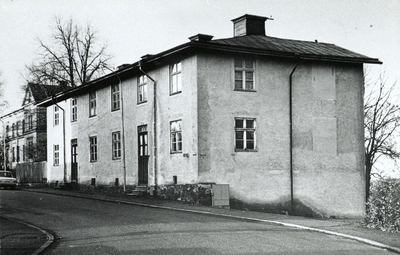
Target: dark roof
41 92
290 48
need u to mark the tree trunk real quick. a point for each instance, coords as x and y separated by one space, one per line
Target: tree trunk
368 168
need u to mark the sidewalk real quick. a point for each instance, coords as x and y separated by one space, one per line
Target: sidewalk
21 238
341 227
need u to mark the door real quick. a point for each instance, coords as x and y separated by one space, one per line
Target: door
74 163
143 151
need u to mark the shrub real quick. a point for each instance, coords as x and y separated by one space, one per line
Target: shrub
383 206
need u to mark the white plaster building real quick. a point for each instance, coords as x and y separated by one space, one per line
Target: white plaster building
280 121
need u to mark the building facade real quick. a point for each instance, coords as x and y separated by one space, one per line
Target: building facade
280 121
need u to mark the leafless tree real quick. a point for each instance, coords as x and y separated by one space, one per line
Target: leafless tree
3 101
381 125
73 57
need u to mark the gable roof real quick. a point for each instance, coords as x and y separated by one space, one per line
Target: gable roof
38 92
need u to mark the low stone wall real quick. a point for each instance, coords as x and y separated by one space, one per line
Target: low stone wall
192 193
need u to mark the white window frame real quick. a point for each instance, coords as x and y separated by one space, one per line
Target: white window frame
92 103
116 145
93 148
176 136
243 142
244 74
115 97
175 80
142 89
74 109
56 115
56 150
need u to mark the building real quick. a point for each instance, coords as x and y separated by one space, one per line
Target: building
25 128
280 121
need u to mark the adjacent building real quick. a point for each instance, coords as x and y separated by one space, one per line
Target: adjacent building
280 121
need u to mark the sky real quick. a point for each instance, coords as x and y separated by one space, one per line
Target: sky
134 28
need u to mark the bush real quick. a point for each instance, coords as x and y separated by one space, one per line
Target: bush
383 206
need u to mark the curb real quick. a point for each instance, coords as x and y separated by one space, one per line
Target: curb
327 232
50 237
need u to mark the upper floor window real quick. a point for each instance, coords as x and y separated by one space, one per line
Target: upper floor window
7 130
176 78
176 136
30 122
116 145
13 130
245 134
115 97
17 127
56 115
93 148
92 104
142 89
244 74
74 109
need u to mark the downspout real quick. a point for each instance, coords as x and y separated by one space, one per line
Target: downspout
154 126
64 151
291 136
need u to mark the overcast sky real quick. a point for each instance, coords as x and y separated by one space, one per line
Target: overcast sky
135 28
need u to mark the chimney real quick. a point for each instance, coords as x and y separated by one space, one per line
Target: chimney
201 38
249 25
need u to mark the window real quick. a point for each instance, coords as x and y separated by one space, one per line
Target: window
74 109
142 89
92 104
93 148
17 128
18 154
56 115
13 154
13 130
244 74
176 78
7 131
30 149
176 136
116 145
245 134
30 121
23 153
23 126
56 154
115 99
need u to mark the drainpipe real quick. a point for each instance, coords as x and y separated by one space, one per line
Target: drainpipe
291 136
64 151
154 126
4 145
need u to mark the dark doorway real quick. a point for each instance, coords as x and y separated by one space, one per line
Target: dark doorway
143 151
74 163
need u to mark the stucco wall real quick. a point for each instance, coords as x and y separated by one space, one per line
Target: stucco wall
327 135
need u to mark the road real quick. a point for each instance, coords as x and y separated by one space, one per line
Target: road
85 226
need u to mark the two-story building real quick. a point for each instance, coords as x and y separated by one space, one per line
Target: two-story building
280 121
25 128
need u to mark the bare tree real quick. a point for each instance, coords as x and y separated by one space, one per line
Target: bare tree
381 123
72 58
3 101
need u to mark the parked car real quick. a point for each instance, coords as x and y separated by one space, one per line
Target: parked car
7 180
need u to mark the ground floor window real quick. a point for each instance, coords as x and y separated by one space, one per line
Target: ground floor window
93 148
116 145
56 154
245 134
176 136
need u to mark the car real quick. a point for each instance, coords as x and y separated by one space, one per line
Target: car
7 180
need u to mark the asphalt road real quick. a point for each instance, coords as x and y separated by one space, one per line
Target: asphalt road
84 226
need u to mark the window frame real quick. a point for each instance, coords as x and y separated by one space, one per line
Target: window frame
142 89
243 69
93 149
74 109
30 122
56 153
92 103
176 137
175 74
116 145
56 116
115 97
245 130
